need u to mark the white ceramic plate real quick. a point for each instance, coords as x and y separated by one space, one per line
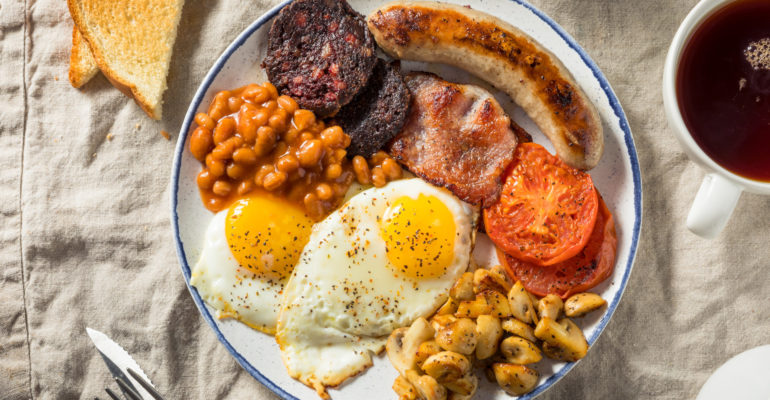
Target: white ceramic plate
617 177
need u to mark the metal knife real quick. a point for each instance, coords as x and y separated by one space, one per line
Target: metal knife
119 362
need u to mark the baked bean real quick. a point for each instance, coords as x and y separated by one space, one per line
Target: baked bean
265 140
291 136
261 117
333 171
277 121
205 180
361 170
304 119
216 203
203 119
225 128
339 155
332 137
218 107
274 180
234 103
310 153
201 142
271 90
256 93
245 187
305 136
216 167
281 147
391 169
287 103
340 189
224 150
236 171
287 163
262 172
270 106
377 158
318 127
247 126
247 129
222 95
378 177
245 156
249 90
312 205
222 188
324 191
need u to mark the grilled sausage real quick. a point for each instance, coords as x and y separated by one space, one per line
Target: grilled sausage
507 58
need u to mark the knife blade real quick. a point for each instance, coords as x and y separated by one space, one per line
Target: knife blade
119 361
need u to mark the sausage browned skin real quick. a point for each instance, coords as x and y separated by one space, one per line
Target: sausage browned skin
504 56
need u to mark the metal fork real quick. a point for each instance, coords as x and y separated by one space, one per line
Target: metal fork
129 392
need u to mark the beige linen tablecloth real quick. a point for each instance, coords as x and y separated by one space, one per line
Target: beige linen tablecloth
85 237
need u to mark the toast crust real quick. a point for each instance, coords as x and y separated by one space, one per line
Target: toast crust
82 64
122 80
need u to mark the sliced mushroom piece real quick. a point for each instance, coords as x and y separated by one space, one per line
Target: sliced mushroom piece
463 288
440 321
488 302
515 379
464 386
425 350
450 307
555 352
446 366
564 335
484 279
521 304
404 389
520 329
403 343
518 350
582 304
498 269
489 332
534 299
426 386
550 306
459 336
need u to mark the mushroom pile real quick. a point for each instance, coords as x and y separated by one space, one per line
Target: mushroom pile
491 323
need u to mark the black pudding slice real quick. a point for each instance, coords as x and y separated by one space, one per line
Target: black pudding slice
378 113
321 53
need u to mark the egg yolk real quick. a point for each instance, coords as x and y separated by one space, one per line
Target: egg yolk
419 236
267 234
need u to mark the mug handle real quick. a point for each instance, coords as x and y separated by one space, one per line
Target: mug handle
713 205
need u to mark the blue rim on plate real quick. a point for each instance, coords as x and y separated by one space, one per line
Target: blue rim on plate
189 117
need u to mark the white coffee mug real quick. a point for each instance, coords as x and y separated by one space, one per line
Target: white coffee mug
720 190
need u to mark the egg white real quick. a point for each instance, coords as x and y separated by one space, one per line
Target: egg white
344 297
234 291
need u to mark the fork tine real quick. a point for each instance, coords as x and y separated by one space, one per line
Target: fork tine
112 394
146 385
130 393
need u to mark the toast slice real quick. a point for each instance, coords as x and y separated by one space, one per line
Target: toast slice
131 41
82 64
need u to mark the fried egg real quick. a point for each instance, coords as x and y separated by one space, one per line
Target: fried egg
386 257
249 252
